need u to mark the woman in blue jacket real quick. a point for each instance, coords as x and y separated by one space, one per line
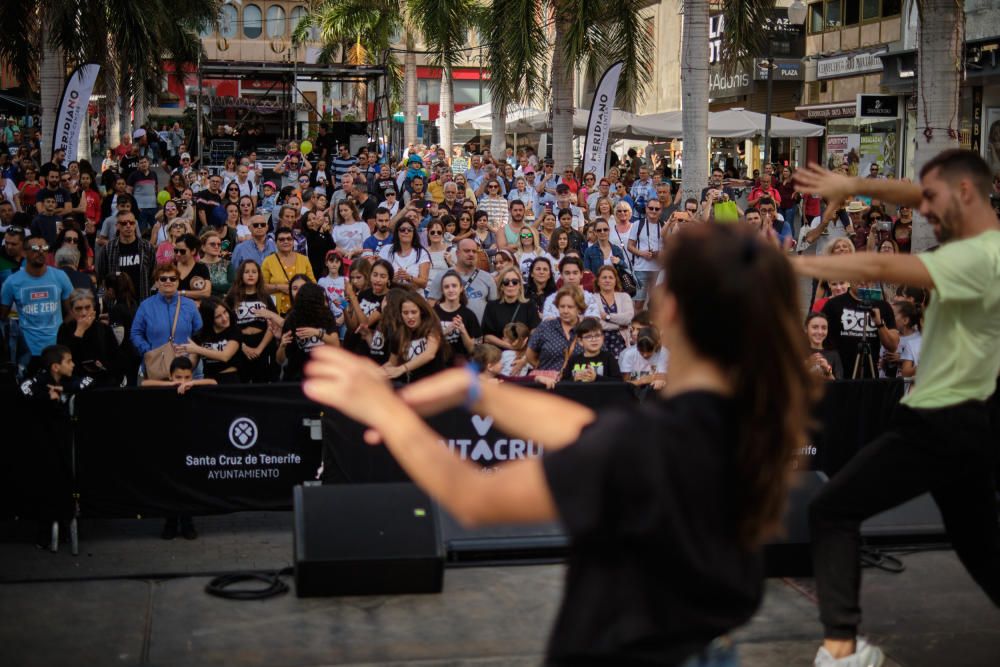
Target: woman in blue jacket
155 317
604 251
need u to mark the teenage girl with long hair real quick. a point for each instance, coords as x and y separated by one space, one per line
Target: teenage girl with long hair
249 304
417 347
637 573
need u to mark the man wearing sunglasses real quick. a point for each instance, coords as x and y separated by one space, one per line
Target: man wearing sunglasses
258 246
129 254
40 293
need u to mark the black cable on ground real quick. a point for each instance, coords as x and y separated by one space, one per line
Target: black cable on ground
219 586
871 557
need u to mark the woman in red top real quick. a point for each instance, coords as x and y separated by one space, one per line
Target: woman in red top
87 201
29 189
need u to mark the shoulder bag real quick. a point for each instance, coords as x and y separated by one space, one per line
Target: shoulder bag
157 361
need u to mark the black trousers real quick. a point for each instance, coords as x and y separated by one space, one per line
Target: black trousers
950 452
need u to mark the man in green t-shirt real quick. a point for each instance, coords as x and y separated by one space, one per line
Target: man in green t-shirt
940 438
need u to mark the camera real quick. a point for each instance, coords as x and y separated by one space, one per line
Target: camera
884 225
869 296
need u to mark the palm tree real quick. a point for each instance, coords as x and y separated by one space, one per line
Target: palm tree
46 36
445 25
516 68
939 74
588 34
745 37
369 25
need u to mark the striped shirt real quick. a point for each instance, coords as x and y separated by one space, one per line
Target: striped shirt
340 166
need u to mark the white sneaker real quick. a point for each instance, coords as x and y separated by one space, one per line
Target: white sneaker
865 655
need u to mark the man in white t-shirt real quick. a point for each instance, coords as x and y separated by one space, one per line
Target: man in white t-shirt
644 244
571 273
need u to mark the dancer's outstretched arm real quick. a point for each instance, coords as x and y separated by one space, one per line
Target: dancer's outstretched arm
357 387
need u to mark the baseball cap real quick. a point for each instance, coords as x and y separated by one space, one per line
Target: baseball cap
562 188
549 160
185 156
270 184
529 169
138 134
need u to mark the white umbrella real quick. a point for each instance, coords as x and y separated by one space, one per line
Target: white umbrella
733 124
514 115
542 122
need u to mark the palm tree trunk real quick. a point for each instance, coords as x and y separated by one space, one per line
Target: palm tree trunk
140 110
447 111
562 100
694 97
113 116
410 92
498 127
83 142
112 101
51 76
939 73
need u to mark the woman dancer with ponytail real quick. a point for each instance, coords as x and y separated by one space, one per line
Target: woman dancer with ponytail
624 481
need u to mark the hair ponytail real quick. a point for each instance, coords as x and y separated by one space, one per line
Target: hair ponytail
713 269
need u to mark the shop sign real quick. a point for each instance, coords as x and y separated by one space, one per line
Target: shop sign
977 119
858 63
825 112
784 70
877 106
729 84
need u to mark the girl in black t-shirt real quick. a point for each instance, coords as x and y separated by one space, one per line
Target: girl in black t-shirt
249 304
365 306
623 482
458 324
218 343
416 343
309 325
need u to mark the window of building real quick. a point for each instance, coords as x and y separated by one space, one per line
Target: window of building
892 8
227 21
852 12
297 14
429 91
834 14
467 91
252 22
275 21
816 18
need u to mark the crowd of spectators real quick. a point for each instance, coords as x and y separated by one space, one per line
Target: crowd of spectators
506 261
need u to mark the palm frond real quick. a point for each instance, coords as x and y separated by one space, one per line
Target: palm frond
18 49
621 34
746 33
516 47
445 26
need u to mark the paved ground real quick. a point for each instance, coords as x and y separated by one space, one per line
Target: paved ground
930 615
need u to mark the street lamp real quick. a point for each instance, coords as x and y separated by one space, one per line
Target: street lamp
796 17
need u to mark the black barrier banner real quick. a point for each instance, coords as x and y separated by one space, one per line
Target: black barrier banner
214 449
851 414
224 449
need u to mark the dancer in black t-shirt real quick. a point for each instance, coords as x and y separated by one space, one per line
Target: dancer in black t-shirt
625 482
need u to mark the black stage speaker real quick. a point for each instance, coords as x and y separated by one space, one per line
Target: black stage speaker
366 539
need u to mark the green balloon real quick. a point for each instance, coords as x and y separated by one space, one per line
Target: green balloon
163 197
